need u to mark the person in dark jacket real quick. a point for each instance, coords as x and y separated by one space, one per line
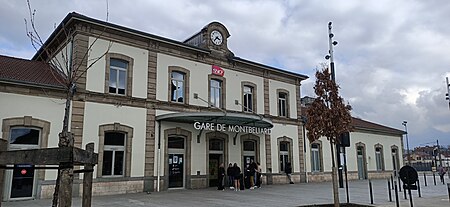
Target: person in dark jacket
221 176
237 177
288 171
230 175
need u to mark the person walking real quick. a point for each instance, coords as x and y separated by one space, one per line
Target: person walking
230 175
252 172
442 173
221 176
288 171
237 177
258 175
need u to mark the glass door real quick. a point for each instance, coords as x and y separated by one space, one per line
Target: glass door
22 181
176 170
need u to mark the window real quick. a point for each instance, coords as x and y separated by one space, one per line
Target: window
248 99
24 136
215 93
216 145
249 146
114 150
283 103
315 158
117 76
378 159
177 90
284 154
119 73
113 154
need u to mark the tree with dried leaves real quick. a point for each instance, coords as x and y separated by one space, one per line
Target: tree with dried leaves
328 117
67 72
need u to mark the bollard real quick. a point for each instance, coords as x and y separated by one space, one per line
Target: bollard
399 183
418 188
404 190
370 191
397 204
389 190
434 178
425 178
448 189
392 181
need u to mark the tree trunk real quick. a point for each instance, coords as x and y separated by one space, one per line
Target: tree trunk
64 180
334 177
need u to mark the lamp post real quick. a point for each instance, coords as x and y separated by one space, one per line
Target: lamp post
339 148
407 142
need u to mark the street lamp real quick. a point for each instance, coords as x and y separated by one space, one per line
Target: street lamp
407 142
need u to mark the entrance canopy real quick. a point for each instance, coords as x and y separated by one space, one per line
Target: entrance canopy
219 118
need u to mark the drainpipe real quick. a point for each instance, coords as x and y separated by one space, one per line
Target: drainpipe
158 165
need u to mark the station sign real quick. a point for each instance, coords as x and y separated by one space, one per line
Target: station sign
216 70
231 128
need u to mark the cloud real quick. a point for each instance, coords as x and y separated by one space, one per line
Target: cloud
391 60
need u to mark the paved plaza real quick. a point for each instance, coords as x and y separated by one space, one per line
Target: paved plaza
272 195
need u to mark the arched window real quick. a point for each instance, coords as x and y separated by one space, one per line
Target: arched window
283 103
119 71
248 97
316 157
178 84
379 158
114 154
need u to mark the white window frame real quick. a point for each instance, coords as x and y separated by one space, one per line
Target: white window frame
248 98
282 105
118 70
216 93
114 149
177 82
315 158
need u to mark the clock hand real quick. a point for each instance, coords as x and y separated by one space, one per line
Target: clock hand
216 38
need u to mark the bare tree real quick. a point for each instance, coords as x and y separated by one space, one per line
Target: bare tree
67 73
328 117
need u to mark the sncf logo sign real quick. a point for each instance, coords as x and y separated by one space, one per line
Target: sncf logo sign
216 70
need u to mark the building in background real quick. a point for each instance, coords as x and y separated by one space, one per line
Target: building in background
164 114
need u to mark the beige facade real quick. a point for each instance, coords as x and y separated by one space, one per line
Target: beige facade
140 103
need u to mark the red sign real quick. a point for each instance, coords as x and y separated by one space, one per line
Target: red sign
23 172
216 70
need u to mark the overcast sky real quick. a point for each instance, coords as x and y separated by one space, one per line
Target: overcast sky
391 60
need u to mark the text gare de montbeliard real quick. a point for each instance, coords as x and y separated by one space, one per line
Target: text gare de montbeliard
231 128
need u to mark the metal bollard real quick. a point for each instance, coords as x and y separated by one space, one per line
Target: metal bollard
434 178
370 191
448 189
397 202
404 191
425 178
392 181
418 188
389 190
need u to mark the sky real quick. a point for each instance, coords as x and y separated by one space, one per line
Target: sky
390 59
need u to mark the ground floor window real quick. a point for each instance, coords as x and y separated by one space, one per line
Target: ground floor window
315 157
114 154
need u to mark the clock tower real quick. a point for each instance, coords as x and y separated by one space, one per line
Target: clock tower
213 37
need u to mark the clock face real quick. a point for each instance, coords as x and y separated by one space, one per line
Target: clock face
216 37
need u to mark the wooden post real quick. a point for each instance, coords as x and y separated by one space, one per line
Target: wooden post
87 179
3 147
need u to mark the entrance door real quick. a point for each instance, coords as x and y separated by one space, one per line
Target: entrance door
214 162
176 162
176 169
22 181
360 160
